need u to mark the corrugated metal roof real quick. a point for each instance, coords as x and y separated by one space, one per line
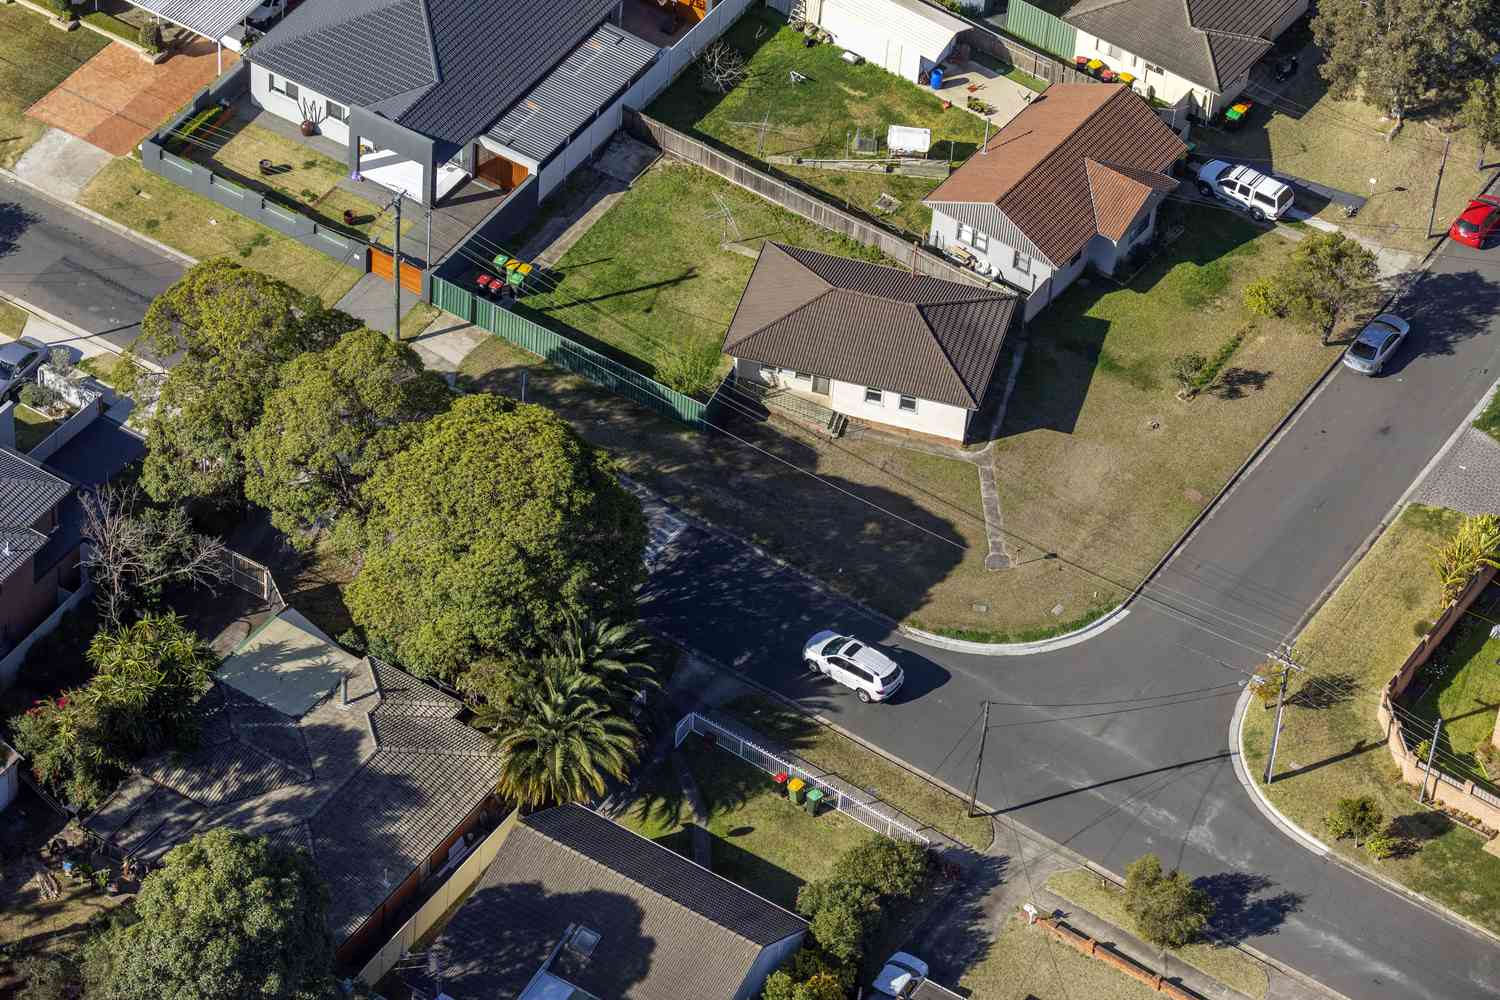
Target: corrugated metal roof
870 325
911 21
209 18
573 92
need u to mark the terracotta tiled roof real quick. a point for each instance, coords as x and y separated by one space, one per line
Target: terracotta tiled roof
870 325
1035 169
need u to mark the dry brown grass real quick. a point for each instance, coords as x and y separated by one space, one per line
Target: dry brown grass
1026 963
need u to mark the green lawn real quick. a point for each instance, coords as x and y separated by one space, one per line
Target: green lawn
1489 420
116 27
126 192
32 427
1027 963
12 320
651 281
817 117
760 840
1468 695
34 58
1332 747
1106 901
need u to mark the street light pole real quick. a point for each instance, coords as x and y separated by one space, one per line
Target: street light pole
1286 670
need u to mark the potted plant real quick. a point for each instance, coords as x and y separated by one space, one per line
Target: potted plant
313 115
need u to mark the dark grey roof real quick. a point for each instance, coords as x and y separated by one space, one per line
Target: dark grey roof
18 546
370 790
1212 43
870 325
573 92
444 68
27 491
668 929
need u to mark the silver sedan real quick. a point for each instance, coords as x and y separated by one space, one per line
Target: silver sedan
1376 343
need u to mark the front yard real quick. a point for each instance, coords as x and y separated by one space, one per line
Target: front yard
35 59
1026 963
1331 744
770 114
1465 692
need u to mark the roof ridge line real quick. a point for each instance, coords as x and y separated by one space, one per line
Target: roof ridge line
948 358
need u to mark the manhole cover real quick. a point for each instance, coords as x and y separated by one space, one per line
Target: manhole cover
981 607
1057 609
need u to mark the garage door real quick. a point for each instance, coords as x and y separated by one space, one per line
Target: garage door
852 29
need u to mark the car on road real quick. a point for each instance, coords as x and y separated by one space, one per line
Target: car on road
1380 339
904 976
1478 223
857 665
19 360
1262 195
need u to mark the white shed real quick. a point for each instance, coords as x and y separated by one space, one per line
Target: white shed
907 37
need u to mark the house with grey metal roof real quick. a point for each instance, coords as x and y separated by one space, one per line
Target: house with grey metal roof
871 343
576 906
427 95
1200 51
36 575
357 762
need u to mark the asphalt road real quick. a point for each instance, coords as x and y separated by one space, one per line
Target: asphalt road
1121 745
62 262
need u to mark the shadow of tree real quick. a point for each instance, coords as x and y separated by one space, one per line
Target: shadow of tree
1240 911
1236 383
1330 691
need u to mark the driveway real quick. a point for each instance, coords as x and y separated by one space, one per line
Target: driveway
1120 745
116 98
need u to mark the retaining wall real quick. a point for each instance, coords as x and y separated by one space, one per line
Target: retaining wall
1086 945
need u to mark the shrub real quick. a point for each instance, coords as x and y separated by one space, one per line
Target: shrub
690 372
1265 298
1168 909
1384 845
1474 545
1185 369
841 914
893 869
61 360
1359 818
1267 683
39 397
150 37
63 8
47 977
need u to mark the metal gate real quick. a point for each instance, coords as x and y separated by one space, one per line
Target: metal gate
383 265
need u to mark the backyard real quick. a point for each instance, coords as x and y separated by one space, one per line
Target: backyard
32 427
1332 746
817 116
35 59
1464 691
129 194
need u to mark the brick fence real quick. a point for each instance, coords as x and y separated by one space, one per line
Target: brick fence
1085 945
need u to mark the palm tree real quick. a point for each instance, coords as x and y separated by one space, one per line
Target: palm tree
559 741
614 653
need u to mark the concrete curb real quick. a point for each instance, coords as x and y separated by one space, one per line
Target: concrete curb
1087 632
100 220
1284 823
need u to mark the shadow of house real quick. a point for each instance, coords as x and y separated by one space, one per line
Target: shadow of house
575 902
366 768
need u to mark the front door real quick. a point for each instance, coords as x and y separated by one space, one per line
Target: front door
499 171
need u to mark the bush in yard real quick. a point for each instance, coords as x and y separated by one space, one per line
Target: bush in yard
895 869
38 396
46 977
1326 277
61 360
1384 845
841 914
1359 818
150 37
227 916
1167 908
1476 544
691 371
485 535
1266 684
1264 297
1185 369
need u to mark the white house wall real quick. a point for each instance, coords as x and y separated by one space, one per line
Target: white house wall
1166 85
903 36
940 419
1000 254
262 96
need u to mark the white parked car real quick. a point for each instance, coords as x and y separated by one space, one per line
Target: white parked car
19 360
871 674
904 976
1262 195
1380 339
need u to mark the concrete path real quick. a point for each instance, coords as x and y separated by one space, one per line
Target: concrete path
372 301
61 164
444 345
1467 478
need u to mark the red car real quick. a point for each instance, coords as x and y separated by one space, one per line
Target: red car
1478 223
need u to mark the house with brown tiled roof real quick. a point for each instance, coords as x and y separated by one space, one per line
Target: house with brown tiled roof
1074 180
576 907
876 344
368 769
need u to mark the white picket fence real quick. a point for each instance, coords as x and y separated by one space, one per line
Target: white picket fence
866 813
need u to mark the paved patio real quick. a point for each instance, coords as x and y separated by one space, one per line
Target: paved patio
971 79
116 98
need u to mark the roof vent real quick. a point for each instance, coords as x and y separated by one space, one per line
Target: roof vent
583 942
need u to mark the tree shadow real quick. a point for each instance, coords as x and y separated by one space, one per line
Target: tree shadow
1241 907
15 219
1330 691
1446 309
1420 827
1236 383
958 934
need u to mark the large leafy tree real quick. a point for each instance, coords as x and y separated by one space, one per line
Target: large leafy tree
560 740
229 330
226 917
1480 113
1396 53
487 533
1327 277
1168 909
333 418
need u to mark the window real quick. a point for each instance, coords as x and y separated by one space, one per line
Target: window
1112 49
968 234
965 233
981 242
909 403
284 86
874 396
337 111
1022 263
1265 199
802 376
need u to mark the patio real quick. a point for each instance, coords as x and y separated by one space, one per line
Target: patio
989 85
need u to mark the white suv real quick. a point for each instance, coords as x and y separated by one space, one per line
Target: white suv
870 673
1262 195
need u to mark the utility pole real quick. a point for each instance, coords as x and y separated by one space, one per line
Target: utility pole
1286 670
396 271
984 730
1438 185
1437 729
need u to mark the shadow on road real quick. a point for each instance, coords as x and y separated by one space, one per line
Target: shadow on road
1242 909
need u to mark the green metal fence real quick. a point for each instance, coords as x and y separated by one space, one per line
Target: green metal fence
568 354
1044 30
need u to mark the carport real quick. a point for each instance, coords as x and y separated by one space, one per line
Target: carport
210 19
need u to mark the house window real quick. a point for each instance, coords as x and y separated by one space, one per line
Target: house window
981 242
968 234
874 397
1022 263
802 376
965 233
909 404
337 111
284 86
1112 49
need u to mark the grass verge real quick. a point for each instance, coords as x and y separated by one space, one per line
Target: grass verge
1489 420
37 59
12 320
129 194
827 748
1331 744
817 116
1107 902
1026 963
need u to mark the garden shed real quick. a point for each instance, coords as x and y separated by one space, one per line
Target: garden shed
906 37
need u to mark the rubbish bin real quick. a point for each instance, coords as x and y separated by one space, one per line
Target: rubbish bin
794 790
935 78
779 778
814 800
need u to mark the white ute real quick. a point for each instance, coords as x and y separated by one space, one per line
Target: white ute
1262 195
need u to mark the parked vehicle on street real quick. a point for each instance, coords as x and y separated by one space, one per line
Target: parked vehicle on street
1376 343
1262 195
1478 223
857 665
19 360
904 976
